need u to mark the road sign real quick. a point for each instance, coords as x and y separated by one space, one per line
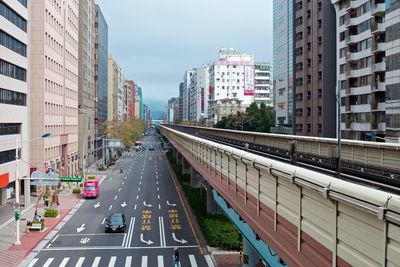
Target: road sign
17 215
16 205
71 179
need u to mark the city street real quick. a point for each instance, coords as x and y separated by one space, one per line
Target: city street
156 221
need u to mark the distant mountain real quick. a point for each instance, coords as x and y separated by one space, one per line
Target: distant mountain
156 107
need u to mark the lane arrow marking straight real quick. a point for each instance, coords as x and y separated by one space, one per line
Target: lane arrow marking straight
147 205
183 241
80 229
124 204
97 205
148 242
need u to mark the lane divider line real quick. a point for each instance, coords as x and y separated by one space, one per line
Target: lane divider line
110 207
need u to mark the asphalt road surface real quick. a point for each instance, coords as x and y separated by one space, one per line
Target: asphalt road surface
156 221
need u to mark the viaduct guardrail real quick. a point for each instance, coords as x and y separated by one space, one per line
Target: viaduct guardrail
309 218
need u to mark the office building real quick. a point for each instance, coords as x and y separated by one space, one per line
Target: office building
283 63
86 78
113 89
54 71
14 128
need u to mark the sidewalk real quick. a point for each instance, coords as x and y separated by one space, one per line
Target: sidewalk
11 255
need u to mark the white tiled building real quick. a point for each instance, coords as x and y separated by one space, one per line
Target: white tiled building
263 84
199 85
231 78
13 95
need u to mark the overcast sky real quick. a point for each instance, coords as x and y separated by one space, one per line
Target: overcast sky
155 41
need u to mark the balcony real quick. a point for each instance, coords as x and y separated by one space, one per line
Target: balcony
360 108
378 9
379 86
379 67
378 46
363 127
377 27
350 39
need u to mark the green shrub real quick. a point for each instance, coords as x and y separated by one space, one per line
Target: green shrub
76 191
91 177
217 229
102 168
53 213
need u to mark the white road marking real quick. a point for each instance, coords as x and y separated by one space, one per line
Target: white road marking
162 231
96 262
192 259
103 220
32 262
159 206
160 260
123 182
112 247
125 178
64 262
112 261
115 197
135 206
80 262
209 261
137 197
128 261
48 262
110 207
131 233
123 240
139 189
119 189
157 182
144 261
158 196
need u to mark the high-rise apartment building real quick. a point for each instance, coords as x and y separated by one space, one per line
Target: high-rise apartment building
13 97
361 67
314 75
86 77
392 47
186 95
130 99
54 50
141 104
231 84
263 84
198 100
283 62
101 54
113 89
137 103
180 115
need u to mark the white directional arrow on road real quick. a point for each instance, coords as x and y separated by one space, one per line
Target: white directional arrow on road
124 204
97 205
171 204
147 205
149 242
80 229
183 241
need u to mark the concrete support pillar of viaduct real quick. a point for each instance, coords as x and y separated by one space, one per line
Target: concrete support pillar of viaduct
250 253
185 166
195 178
212 206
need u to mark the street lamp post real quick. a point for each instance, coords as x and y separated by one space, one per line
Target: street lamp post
17 189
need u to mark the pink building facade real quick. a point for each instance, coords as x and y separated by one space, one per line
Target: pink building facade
54 35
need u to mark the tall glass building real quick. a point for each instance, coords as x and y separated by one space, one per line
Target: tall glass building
101 67
283 65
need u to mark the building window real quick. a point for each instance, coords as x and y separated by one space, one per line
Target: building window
12 71
12 97
12 16
7 156
12 43
10 128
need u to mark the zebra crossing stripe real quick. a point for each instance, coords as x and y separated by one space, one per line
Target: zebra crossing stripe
64 262
32 262
144 261
128 261
112 261
160 261
96 262
48 262
80 262
193 262
209 261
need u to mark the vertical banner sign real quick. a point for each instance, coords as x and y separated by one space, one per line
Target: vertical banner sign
248 81
202 100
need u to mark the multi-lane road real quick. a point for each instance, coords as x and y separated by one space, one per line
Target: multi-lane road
156 221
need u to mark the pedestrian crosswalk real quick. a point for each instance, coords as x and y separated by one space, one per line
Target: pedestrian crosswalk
127 261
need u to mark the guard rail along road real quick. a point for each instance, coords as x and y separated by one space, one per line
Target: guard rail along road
308 218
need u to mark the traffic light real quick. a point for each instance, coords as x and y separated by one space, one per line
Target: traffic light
17 215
